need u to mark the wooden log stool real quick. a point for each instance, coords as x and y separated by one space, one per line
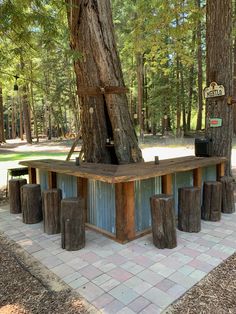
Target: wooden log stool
52 210
212 200
228 205
72 224
15 195
189 209
31 203
163 221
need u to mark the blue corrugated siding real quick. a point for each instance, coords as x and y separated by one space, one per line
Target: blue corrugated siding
209 173
180 180
144 189
42 178
68 185
101 205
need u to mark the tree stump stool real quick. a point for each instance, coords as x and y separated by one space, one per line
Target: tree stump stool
163 221
15 195
31 203
228 205
189 209
72 224
52 210
212 201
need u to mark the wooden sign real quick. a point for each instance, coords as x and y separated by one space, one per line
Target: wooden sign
215 122
214 90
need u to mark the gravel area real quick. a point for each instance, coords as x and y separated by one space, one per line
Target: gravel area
24 290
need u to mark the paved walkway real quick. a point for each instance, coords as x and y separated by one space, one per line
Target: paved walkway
131 278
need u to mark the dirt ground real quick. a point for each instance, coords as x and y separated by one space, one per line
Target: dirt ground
23 289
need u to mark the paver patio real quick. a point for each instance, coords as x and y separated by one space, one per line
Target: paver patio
132 278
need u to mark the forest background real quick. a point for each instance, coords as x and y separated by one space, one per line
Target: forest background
163 54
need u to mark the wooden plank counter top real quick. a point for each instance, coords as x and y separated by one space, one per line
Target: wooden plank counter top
124 173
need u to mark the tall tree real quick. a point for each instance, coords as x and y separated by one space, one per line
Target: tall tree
104 104
2 136
219 69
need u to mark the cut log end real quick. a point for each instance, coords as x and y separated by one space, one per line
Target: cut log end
31 203
212 201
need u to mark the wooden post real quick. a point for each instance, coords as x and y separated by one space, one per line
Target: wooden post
15 195
189 209
32 175
31 203
228 205
82 191
52 210
163 221
125 211
52 180
167 184
212 200
220 170
197 177
72 224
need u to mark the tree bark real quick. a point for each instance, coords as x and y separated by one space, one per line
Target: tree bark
106 115
26 115
2 135
219 70
199 74
234 76
191 82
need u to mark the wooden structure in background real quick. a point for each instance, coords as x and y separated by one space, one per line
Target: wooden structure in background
120 189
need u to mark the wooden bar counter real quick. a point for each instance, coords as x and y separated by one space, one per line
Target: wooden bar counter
117 196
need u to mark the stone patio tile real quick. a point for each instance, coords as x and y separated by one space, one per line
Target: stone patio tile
185 281
154 256
144 261
109 284
104 253
51 262
189 252
132 267
104 266
33 248
113 307
201 265
165 284
40 255
186 270
151 309
158 297
150 277
101 279
218 253
90 257
161 269
65 256
211 238
116 259
223 248
229 243
141 288
103 301
198 274
127 253
90 291
119 274
126 310
90 272
139 304
62 270
214 261
176 291
123 294
72 277
77 263
77 283
133 282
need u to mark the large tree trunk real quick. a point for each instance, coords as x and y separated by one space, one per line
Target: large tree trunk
105 115
2 136
140 79
234 76
219 69
191 83
26 115
199 64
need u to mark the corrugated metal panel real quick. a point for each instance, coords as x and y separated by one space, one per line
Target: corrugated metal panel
144 189
101 205
180 180
42 178
209 174
68 185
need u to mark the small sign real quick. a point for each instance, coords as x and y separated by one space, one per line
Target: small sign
214 90
215 122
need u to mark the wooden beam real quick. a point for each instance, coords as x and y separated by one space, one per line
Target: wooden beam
125 211
32 175
220 170
197 177
167 184
52 180
82 191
